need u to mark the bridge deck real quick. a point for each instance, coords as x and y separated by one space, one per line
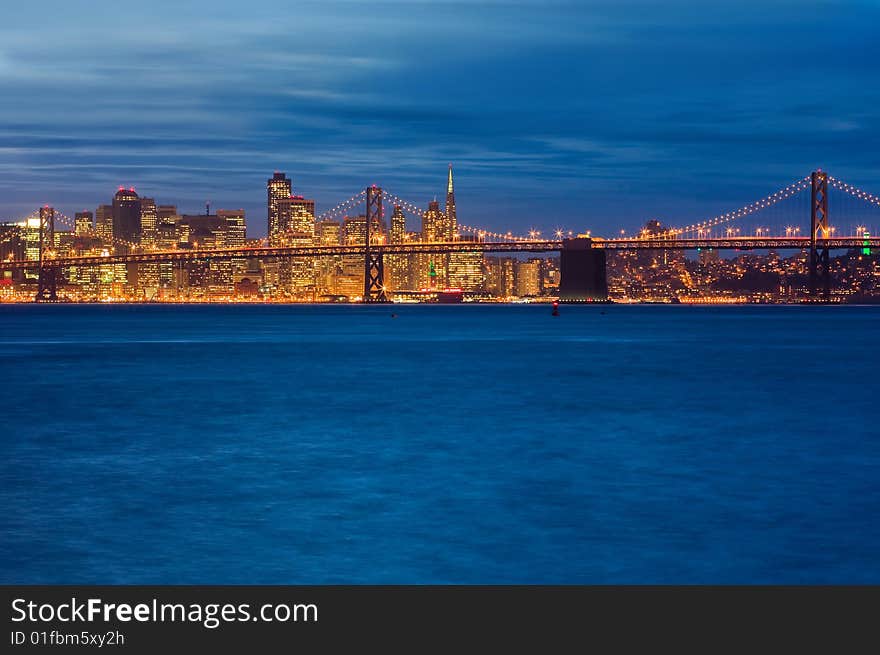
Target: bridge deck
537 246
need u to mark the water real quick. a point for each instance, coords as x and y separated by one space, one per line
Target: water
463 444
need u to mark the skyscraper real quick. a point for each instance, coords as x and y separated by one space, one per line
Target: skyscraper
236 229
466 268
149 221
431 267
398 265
104 224
126 218
296 227
451 223
296 218
278 188
432 223
528 277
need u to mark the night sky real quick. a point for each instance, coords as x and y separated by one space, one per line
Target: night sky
582 115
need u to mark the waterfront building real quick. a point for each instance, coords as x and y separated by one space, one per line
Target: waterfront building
528 278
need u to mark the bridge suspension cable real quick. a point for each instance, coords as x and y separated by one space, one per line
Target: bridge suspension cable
343 206
780 195
855 192
412 208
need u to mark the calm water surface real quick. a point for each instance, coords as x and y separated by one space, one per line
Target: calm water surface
472 444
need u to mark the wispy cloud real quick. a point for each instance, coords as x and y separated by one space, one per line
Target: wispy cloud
614 101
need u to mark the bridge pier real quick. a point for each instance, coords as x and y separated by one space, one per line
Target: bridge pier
582 272
47 282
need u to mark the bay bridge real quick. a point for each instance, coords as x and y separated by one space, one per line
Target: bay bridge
582 258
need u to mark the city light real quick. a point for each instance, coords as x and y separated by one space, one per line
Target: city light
311 257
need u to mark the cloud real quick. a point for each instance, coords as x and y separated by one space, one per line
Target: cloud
542 107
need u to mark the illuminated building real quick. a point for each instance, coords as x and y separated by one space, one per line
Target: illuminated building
709 255
126 220
349 278
528 278
431 268
278 188
296 226
148 274
31 238
505 287
328 232
166 214
149 222
104 224
236 228
354 230
397 267
451 222
550 275
296 216
466 269
432 223
82 222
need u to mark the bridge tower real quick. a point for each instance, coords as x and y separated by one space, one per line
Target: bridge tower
47 290
820 228
374 267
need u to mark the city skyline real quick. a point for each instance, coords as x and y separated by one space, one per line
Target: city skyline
567 102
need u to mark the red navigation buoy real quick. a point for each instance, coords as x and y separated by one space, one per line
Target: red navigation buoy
555 308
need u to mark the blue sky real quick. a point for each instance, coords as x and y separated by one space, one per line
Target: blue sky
583 115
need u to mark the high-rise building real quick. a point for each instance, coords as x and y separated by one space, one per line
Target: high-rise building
466 268
278 188
430 268
451 222
126 219
432 223
236 228
296 227
104 224
354 230
31 238
296 218
149 222
528 277
328 232
82 222
398 225
166 213
397 267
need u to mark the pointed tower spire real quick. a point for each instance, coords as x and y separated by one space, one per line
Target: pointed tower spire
451 218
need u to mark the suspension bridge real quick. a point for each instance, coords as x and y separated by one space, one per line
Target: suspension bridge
582 257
